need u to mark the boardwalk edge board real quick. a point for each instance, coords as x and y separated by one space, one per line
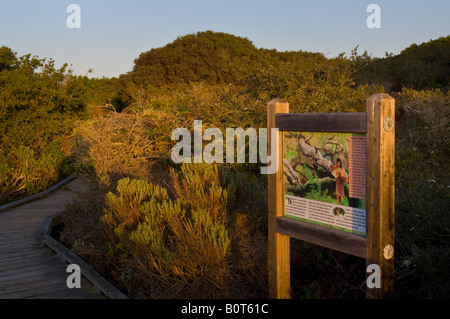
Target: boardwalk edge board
40 195
99 283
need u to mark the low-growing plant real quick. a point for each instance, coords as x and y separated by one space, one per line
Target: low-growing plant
180 246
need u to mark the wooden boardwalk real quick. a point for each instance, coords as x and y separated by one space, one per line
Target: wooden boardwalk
28 269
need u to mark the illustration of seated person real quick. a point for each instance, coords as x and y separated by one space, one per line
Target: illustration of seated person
341 178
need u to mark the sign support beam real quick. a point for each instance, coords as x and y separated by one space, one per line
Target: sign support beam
380 191
279 244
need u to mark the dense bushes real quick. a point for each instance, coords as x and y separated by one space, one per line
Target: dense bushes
22 171
310 81
419 67
179 247
216 58
422 194
115 146
191 240
38 108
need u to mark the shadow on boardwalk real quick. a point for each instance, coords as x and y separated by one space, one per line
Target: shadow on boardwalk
28 269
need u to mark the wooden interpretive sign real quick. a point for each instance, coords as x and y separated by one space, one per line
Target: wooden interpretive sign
334 187
324 179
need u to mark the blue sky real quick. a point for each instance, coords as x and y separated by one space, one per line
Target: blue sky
113 33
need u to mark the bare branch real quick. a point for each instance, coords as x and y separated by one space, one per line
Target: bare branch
290 173
314 153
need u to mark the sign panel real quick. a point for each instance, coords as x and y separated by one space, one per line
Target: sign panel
324 179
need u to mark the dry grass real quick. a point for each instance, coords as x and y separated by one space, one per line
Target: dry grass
116 146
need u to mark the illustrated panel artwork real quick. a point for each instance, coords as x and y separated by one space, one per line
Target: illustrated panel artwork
324 179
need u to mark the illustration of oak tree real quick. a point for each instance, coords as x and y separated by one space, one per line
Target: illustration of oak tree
320 160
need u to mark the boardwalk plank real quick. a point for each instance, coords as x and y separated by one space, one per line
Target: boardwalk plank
59 289
19 256
27 269
26 262
32 273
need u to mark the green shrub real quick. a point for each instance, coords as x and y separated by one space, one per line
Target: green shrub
183 244
38 108
157 242
422 196
25 171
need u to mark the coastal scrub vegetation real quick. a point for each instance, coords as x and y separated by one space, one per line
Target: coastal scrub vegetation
161 230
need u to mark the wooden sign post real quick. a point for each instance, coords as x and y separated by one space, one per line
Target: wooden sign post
334 187
279 245
380 109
